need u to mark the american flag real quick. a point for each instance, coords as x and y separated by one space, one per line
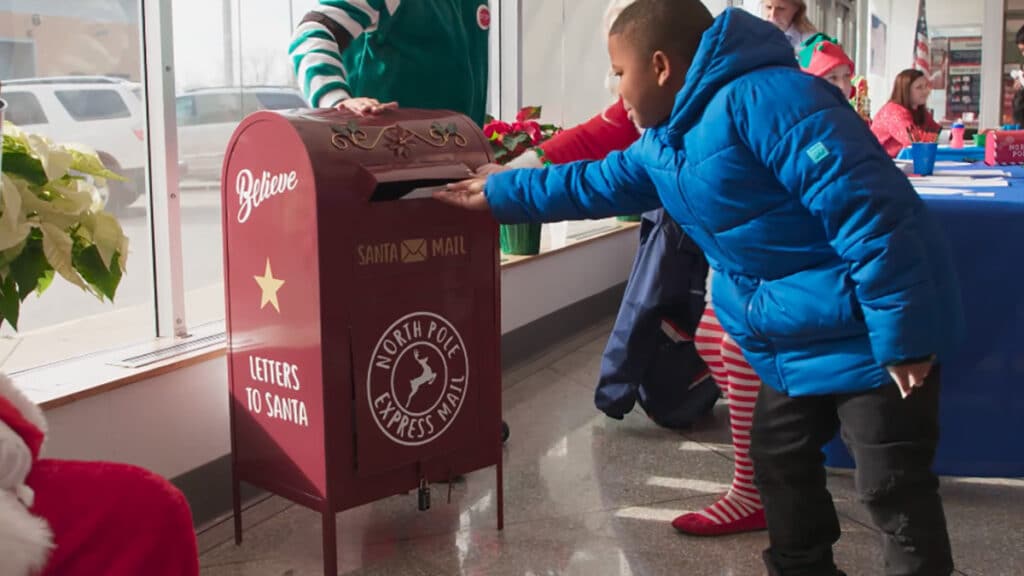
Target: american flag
922 61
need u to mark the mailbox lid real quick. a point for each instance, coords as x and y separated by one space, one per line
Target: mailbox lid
404 144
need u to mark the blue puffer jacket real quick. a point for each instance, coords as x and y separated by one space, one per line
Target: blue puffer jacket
828 265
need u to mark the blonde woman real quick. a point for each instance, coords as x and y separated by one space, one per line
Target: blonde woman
790 16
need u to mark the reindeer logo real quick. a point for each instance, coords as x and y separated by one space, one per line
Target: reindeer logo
426 378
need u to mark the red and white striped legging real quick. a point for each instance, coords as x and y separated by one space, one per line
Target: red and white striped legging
740 384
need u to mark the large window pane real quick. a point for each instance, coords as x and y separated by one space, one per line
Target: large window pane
232 60
71 71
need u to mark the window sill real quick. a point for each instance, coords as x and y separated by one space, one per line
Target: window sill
67 381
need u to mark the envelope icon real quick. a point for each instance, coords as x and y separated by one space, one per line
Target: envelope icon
414 250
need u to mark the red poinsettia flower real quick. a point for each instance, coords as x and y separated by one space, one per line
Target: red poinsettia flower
532 128
496 129
509 140
528 113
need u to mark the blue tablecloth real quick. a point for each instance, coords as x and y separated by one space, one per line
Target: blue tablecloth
945 153
982 405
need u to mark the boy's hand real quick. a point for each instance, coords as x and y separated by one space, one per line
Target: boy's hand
365 106
468 194
910 376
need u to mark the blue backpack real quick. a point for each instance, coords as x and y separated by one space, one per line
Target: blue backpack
650 357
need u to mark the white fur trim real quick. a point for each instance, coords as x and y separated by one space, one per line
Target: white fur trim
28 409
528 159
25 540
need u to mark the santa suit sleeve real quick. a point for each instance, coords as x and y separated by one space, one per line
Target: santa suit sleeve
607 132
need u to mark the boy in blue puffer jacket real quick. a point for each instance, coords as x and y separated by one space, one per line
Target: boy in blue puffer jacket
830 273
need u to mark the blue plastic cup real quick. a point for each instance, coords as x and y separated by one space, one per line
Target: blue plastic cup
924 154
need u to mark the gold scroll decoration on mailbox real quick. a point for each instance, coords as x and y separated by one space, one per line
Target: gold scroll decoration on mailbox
396 137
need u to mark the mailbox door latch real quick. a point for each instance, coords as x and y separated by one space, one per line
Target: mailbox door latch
423 495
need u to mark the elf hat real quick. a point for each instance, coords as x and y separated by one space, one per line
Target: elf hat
820 54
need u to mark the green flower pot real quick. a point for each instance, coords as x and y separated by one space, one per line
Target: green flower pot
520 239
631 218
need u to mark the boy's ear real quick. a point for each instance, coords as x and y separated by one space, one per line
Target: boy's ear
662 67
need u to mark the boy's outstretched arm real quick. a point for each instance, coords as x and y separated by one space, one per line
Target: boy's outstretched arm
617 185
821 150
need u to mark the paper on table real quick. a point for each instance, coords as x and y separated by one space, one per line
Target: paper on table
931 191
938 163
924 190
971 172
955 181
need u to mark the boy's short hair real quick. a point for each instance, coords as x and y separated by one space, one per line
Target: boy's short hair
1020 36
673 26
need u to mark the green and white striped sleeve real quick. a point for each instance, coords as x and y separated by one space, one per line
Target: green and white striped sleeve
322 37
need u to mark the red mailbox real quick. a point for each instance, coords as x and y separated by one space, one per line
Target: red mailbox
362 315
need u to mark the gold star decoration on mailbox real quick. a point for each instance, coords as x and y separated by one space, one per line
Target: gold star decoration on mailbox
268 288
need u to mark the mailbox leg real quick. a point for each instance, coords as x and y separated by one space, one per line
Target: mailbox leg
500 489
330 544
236 503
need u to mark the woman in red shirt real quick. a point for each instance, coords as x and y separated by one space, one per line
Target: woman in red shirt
904 111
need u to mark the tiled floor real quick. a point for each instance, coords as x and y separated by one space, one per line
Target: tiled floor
590 496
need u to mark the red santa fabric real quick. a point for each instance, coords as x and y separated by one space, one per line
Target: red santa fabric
29 432
608 131
113 519
105 518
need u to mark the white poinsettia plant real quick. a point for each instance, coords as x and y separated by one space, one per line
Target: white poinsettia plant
52 221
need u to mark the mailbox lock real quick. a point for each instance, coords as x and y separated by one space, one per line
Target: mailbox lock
423 495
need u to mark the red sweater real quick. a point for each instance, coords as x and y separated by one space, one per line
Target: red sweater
608 131
891 124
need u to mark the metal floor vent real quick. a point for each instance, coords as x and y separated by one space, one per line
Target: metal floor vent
178 349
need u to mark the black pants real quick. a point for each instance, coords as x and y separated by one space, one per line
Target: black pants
893 443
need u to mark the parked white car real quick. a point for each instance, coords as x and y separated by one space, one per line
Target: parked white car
103 113
207 118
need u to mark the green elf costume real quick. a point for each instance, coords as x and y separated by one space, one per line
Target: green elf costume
418 53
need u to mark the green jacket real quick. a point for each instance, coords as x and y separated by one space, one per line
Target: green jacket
419 53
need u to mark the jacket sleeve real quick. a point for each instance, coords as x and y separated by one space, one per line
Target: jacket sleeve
821 151
594 139
322 37
617 185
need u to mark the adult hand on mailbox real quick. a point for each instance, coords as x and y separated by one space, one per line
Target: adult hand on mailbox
364 106
468 194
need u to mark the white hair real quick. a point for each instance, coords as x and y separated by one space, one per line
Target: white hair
611 14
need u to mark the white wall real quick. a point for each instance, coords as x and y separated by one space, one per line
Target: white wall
944 17
177 422
565 58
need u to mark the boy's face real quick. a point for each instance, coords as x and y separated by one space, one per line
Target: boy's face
644 81
840 78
